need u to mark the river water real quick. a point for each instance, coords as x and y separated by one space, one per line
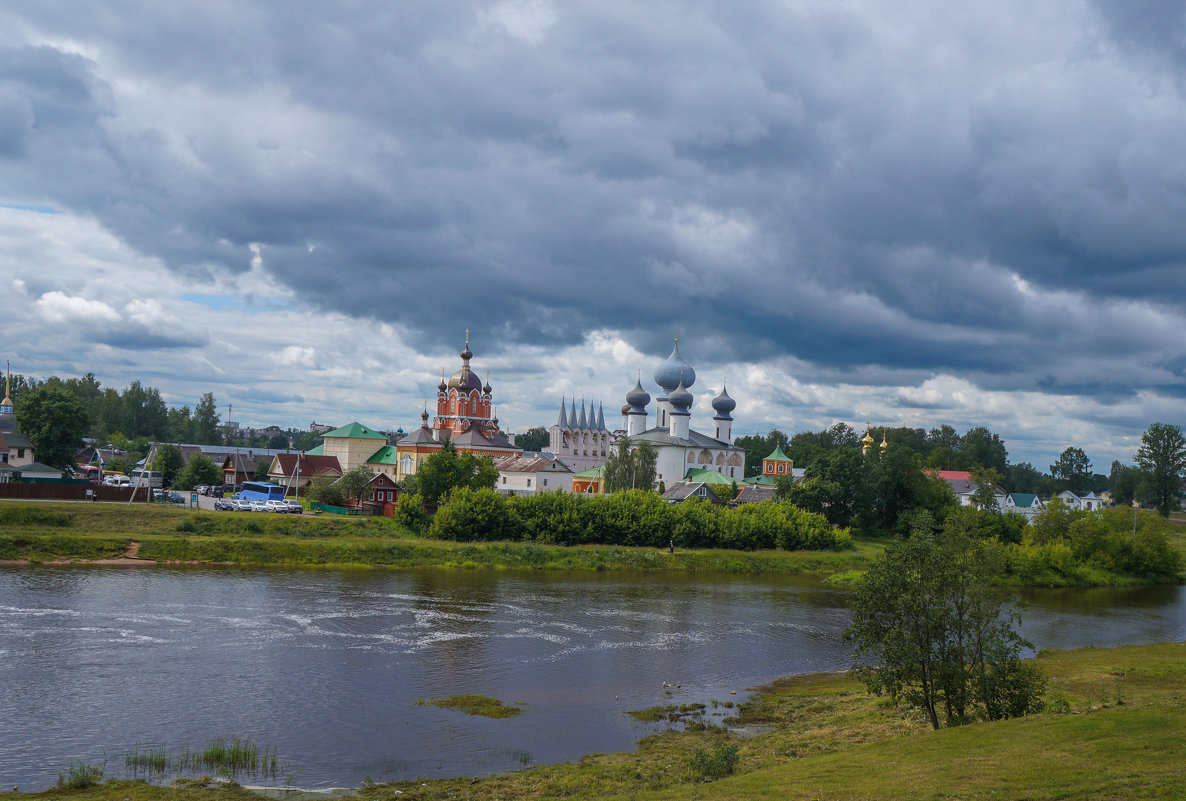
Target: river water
327 666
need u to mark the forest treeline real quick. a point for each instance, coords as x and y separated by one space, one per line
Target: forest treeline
137 415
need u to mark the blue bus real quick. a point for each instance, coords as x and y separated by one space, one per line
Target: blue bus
260 491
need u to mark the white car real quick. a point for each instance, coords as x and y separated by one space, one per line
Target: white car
276 506
117 481
259 506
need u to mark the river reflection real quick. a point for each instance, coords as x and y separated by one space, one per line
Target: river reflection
328 665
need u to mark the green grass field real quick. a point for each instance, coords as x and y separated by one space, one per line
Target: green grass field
1121 734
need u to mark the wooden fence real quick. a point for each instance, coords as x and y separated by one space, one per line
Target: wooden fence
70 492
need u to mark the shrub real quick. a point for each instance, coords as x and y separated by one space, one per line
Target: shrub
716 764
80 776
474 515
410 514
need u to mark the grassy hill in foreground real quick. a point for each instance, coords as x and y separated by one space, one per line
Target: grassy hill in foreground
1118 730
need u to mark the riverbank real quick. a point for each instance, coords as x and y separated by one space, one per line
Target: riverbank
64 533
1116 728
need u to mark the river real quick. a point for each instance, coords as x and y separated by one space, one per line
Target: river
327 666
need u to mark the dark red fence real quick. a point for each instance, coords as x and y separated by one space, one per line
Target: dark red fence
70 492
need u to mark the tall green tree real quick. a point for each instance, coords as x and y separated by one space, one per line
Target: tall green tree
55 422
980 447
630 466
198 470
206 421
984 497
449 468
1024 477
1072 470
1123 481
929 614
1162 456
355 483
533 439
846 475
180 425
169 461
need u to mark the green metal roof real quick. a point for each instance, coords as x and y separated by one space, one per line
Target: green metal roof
592 472
385 455
318 451
760 481
355 431
706 476
38 467
777 456
1023 499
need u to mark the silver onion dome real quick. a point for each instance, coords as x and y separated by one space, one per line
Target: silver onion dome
670 373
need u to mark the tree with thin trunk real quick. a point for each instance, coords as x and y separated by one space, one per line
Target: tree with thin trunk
1162 456
929 615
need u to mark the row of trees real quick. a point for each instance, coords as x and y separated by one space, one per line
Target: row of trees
633 517
58 413
136 412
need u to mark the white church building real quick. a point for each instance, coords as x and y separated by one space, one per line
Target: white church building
678 445
583 442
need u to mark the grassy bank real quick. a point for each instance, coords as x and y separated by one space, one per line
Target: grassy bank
47 532
53 532
1119 732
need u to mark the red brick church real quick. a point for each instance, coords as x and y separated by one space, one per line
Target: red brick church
465 416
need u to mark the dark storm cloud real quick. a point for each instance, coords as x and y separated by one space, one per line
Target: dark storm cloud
878 193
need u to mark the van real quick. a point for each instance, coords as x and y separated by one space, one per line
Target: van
117 481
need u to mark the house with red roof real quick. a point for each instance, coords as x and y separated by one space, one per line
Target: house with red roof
295 470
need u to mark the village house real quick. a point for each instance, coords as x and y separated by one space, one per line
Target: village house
529 473
294 471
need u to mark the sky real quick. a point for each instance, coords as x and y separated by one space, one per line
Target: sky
909 213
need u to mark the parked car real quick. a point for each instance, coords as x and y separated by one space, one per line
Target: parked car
259 506
176 497
294 507
202 489
117 481
223 505
276 506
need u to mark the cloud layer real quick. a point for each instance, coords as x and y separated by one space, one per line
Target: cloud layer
915 213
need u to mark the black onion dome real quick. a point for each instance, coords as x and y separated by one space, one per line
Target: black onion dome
638 397
723 404
680 398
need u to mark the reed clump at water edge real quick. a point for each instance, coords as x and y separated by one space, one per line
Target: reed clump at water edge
234 757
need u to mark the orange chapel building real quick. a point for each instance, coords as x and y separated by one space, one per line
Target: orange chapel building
465 416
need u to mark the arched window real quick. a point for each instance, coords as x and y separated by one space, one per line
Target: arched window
691 458
720 458
735 460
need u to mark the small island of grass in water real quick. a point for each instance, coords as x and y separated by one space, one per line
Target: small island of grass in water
473 704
